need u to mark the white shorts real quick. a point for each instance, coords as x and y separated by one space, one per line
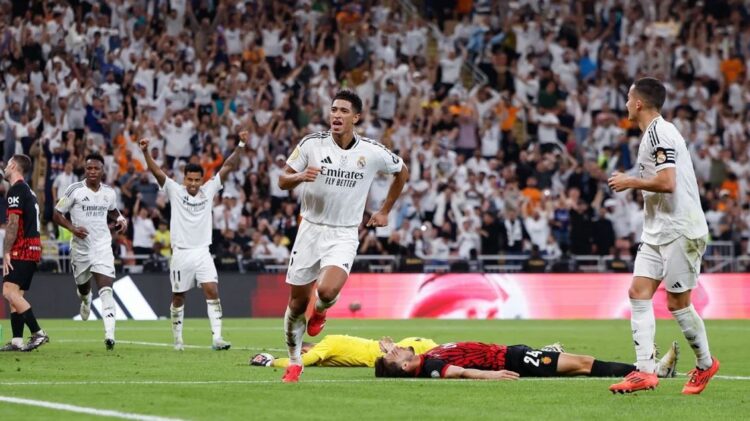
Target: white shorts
190 268
677 263
318 246
84 265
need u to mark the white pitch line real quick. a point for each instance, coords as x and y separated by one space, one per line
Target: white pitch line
84 410
371 380
167 345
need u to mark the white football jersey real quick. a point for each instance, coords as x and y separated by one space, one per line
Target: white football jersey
191 221
666 216
337 196
89 209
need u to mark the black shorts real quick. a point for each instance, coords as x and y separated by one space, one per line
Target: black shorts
22 273
530 362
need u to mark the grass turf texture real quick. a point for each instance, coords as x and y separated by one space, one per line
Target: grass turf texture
201 384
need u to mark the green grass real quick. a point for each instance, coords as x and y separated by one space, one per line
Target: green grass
154 380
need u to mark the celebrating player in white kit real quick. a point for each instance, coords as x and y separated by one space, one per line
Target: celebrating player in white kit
190 231
336 169
91 205
673 241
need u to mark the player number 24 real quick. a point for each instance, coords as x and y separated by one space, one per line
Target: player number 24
532 357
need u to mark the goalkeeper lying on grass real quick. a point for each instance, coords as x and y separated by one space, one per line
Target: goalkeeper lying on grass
476 360
351 351
343 351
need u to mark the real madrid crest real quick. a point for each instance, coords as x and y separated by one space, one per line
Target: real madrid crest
661 156
361 162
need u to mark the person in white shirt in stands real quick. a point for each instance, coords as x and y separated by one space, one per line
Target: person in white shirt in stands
278 195
191 233
143 229
336 169
674 238
63 181
177 132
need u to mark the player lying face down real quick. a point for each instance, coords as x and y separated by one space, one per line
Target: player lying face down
476 360
345 351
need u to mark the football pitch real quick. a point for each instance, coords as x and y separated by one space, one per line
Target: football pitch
144 378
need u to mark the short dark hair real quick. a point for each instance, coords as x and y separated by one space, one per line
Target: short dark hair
386 369
94 156
23 162
350 96
652 91
190 167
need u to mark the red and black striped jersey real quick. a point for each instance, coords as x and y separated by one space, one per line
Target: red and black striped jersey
22 202
476 355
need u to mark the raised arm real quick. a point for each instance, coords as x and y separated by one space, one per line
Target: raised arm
161 178
231 163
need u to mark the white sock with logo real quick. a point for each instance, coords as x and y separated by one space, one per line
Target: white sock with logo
177 314
695 332
108 312
214 317
643 325
294 329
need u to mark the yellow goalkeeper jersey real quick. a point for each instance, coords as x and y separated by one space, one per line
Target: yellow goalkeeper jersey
351 351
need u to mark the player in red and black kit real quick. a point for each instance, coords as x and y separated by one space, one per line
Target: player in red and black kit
477 360
22 251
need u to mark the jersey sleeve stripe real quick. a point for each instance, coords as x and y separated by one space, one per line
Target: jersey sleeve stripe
652 137
656 135
316 135
73 187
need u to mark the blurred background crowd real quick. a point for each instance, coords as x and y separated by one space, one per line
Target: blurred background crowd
510 114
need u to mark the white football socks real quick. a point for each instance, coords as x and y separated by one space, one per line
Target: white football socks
177 314
695 332
108 312
643 325
294 328
214 317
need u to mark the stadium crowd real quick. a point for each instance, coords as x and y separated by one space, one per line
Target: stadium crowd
512 163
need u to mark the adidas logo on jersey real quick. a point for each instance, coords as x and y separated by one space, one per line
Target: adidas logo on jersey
85 199
327 160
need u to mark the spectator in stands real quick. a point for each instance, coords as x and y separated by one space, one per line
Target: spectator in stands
547 117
